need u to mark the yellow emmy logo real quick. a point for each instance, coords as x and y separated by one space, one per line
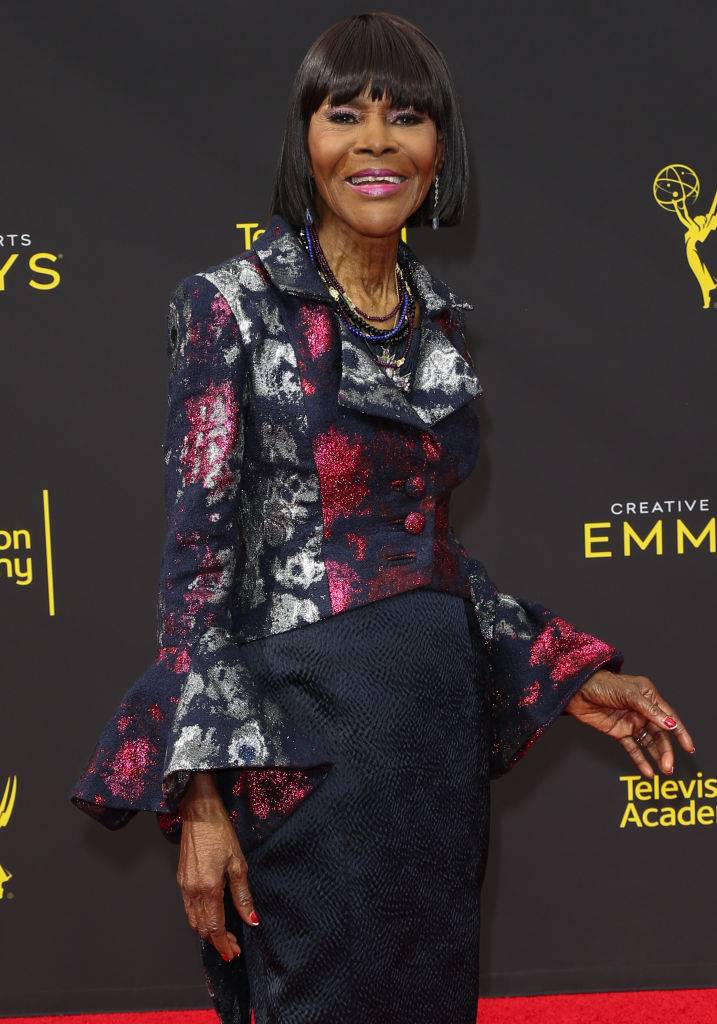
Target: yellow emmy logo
673 188
8 800
6 805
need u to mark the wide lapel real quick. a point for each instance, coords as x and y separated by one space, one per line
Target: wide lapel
444 379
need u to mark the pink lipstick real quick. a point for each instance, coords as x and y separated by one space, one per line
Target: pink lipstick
376 181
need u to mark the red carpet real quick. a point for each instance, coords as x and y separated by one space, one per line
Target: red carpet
693 1005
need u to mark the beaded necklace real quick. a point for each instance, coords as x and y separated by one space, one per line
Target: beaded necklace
356 320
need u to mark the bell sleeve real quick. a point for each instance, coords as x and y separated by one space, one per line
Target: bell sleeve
536 661
196 707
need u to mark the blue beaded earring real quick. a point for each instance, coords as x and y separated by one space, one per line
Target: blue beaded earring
435 221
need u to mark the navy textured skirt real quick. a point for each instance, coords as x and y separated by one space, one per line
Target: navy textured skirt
368 885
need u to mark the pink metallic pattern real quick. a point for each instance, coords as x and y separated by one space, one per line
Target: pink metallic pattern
213 418
344 584
344 470
128 768
565 650
358 544
273 790
531 694
317 329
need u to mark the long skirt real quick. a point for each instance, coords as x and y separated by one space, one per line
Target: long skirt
368 890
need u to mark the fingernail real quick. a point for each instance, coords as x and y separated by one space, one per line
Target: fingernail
692 750
253 918
670 722
669 770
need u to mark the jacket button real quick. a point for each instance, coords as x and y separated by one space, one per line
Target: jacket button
415 486
414 522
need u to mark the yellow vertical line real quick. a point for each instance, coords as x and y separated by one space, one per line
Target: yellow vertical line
48 552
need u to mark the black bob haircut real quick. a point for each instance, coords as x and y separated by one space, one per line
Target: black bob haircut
397 59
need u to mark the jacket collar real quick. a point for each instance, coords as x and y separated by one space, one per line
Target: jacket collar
444 379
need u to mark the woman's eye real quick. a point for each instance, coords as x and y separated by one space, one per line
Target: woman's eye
341 117
408 118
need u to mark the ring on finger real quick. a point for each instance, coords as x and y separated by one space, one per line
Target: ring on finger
639 738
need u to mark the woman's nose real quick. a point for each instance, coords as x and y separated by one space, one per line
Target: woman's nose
375 136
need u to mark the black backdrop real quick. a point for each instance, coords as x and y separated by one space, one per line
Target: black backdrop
135 138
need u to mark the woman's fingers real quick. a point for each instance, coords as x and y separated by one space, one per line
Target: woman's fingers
210 914
656 744
238 877
661 748
637 754
657 710
204 907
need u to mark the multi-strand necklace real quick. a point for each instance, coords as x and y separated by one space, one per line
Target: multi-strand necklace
396 365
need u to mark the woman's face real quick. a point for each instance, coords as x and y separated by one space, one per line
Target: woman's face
364 137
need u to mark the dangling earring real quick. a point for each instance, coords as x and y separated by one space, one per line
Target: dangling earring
435 220
308 215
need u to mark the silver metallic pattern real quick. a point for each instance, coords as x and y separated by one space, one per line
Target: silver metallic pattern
300 482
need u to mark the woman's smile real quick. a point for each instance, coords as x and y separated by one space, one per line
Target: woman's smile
376 182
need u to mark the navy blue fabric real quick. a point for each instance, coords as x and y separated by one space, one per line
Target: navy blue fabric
368 892
537 660
301 482
321 630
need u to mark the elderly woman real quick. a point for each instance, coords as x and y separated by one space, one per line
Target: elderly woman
337 680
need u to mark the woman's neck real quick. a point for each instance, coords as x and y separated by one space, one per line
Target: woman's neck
364 266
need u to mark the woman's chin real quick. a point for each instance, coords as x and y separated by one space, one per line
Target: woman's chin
376 220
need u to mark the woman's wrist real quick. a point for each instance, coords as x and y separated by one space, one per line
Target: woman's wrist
201 799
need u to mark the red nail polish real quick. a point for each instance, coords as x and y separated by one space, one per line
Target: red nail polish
253 918
670 722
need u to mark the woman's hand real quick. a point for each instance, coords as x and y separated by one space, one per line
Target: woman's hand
623 706
209 854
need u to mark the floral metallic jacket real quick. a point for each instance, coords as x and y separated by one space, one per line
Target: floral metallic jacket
301 481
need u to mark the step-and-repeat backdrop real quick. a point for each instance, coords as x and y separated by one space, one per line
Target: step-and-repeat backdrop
138 146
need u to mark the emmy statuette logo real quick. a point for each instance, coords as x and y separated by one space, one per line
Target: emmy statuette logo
6 805
675 188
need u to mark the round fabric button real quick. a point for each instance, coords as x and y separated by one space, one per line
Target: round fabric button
415 486
414 522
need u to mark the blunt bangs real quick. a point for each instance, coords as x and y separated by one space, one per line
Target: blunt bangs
395 59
